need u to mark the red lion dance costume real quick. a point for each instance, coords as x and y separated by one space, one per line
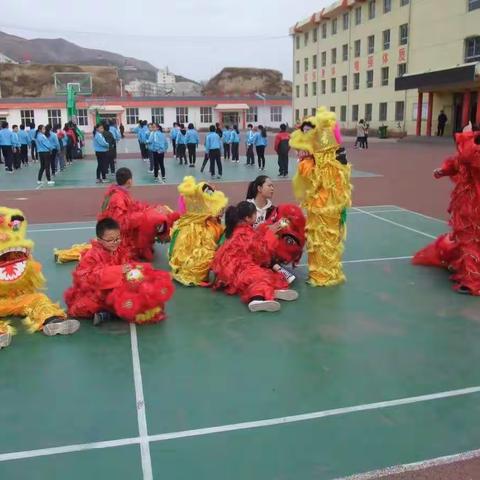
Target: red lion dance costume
459 250
140 223
242 265
110 281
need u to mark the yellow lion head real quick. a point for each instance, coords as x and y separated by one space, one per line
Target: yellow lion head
316 133
202 198
18 271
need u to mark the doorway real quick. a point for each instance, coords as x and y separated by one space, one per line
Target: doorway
231 118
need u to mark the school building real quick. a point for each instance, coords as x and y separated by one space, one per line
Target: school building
391 62
269 111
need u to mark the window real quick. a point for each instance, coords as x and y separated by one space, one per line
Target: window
297 66
371 44
323 87
371 9
54 117
332 109
354 113
313 111
333 85
27 117
305 39
305 112
345 52
344 83
343 113
356 81
206 115
315 35
324 30
334 56
252 113
369 78
297 91
382 115
297 42
404 2
473 5
82 117
276 114
314 62
305 64
368 112
399 111
357 47
314 89
472 49
402 69
297 115
324 59
387 6
346 21
385 76
334 26
132 116
305 89
386 39
358 15
403 34
182 114
157 115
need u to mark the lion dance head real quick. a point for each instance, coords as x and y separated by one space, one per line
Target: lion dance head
201 198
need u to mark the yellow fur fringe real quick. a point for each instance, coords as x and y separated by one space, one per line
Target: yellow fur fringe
71 254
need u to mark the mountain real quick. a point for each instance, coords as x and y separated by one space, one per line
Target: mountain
247 81
59 51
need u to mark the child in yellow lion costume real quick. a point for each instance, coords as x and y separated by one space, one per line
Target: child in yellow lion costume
322 185
195 235
21 280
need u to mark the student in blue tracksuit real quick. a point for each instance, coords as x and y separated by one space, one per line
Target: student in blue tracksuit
116 135
226 142
235 143
17 161
32 131
260 141
192 140
173 137
213 147
144 133
101 147
148 146
24 139
249 143
159 145
181 141
43 148
55 147
6 145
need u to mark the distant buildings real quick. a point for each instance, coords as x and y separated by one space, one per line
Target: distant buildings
5 59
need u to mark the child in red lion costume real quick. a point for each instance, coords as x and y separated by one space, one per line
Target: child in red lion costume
459 250
141 224
107 284
242 264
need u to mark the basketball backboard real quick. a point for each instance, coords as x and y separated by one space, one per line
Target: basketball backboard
80 81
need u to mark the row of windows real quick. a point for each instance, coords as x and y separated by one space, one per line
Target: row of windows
385 80
368 112
54 117
206 115
372 11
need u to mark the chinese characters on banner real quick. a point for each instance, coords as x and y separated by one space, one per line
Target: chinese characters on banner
402 55
334 71
314 75
370 62
356 65
323 73
385 58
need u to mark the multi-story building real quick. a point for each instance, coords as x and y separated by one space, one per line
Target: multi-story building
391 62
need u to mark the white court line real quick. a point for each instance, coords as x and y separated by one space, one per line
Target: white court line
140 402
43 230
395 223
415 467
397 210
368 260
239 426
423 215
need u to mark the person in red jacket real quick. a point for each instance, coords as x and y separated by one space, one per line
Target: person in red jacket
242 264
282 147
141 224
108 284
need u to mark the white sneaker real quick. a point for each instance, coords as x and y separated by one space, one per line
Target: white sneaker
286 295
5 339
39 182
63 327
264 306
51 182
164 180
150 171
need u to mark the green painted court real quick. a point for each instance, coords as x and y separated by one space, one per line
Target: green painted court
380 371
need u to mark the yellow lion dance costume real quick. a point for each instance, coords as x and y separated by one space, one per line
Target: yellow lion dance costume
196 234
322 185
21 279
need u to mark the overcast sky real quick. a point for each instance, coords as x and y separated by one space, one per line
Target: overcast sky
194 38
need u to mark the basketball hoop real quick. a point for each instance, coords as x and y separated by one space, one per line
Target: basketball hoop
80 81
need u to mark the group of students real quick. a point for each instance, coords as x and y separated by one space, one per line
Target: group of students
362 135
53 147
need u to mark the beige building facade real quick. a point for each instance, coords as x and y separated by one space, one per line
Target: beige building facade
396 63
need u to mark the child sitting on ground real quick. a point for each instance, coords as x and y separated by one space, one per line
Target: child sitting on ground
108 285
